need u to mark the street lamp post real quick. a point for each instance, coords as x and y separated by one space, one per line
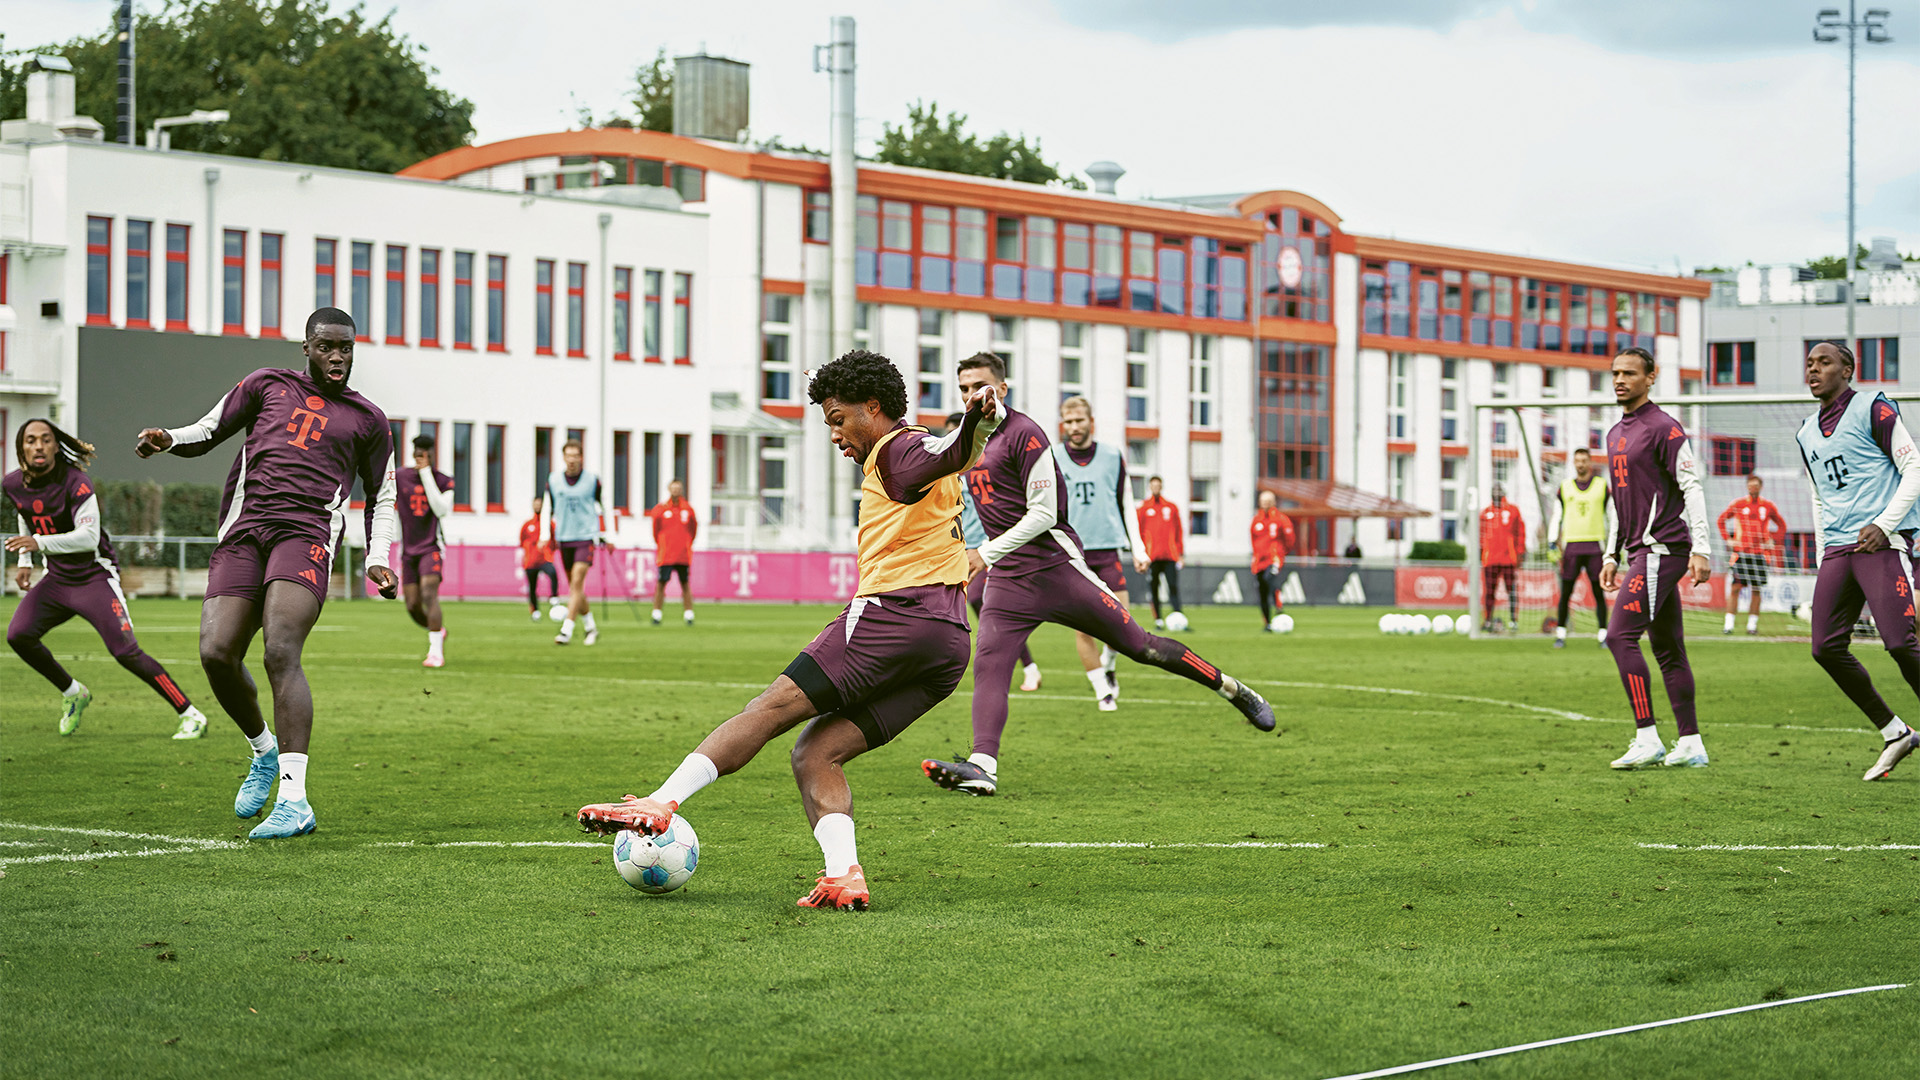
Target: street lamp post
1827 28
159 137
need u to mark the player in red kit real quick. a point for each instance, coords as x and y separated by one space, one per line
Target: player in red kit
1272 539
1758 527
675 524
1162 536
536 558
1503 540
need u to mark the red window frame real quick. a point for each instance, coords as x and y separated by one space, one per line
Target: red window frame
577 303
623 313
497 291
496 466
458 282
683 308
271 266
542 302
1734 350
808 208
231 264
653 281
396 290
104 252
328 270
3 354
361 276
145 257
186 275
430 335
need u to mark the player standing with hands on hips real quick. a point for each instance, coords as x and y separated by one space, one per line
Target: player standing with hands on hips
1866 478
573 514
1660 526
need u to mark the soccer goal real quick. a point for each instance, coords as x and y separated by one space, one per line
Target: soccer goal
1527 446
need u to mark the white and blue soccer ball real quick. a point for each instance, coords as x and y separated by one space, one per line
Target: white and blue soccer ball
657 864
1387 622
558 612
1281 624
1177 622
1420 624
1442 624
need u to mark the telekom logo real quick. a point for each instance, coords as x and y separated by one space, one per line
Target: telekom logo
306 425
746 571
843 574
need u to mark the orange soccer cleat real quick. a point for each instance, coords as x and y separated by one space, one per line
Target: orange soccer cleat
848 892
643 816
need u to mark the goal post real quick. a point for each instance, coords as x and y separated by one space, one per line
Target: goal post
1527 445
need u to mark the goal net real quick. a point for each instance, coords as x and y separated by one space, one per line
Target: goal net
1527 447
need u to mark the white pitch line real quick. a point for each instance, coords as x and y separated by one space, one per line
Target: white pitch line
183 845
1782 847
1149 844
1481 1054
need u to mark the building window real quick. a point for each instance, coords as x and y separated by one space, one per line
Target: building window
396 299
622 472
1296 262
1449 498
543 307
496 468
496 303
360 298
177 236
1139 377
323 273
1200 382
1397 390
99 271
776 357
1730 363
233 281
650 320
542 458
463 299
270 245
1073 360
1879 359
462 466
430 297
576 309
820 217
683 318
1449 401
1733 457
1295 423
1141 454
431 429
623 313
139 272
1200 507
650 468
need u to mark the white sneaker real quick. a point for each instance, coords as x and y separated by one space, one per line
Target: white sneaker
593 635
1641 752
193 724
1600 637
1688 752
1108 703
1030 681
1897 749
565 636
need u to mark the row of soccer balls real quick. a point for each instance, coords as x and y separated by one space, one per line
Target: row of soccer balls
1421 624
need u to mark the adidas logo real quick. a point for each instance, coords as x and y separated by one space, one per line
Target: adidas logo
1292 592
1033 443
1229 590
1352 592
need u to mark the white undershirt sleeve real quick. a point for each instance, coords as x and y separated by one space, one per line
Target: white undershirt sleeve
1558 519
1041 514
26 557
202 429
546 517
1612 553
1819 540
386 521
1686 473
1906 459
85 536
440 502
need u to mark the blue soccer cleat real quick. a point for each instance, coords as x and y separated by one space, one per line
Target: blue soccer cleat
1254 708
290 818
258 784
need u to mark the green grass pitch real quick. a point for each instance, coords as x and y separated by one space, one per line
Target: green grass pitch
1482 878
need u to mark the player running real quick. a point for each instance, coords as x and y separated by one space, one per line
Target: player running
1162 539
1272 534
1037 575
1096 485
1752 540
973 535
307 438
1582 513
573 513
1866 476
1660 524
59 517
425 498
674 527
1503 542
536 558
909 618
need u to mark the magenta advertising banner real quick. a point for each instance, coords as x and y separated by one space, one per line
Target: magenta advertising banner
478 573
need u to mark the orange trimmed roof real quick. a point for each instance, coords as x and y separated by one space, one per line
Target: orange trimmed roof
623 142
1452 258
1264 202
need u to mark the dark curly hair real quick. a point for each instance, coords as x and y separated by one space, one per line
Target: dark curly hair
859 377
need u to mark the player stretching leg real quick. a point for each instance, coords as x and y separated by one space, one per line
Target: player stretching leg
1272 533
674 527
1581 516
1751 541
897 650
307 438
974 536
425 498
60 518
1660 523
1096 477
1038 575
573 514
1866 477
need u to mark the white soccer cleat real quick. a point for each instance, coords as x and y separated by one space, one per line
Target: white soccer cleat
1600 637
1642 751
593 635
1108 702
1897 749
1688 753
565 636
193 724
1030 678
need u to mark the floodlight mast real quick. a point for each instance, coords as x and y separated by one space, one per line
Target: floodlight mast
1826 28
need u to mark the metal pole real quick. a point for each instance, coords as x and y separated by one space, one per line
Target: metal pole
125 118
1853 37
604 436
846 216
213 255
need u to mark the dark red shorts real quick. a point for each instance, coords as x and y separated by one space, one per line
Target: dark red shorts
1580 557
575 551
414 567
243 564
1105 564
97 600
882 666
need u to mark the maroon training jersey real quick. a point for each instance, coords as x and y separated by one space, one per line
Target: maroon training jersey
302 453
62 503
420 532
1018 456
1649 463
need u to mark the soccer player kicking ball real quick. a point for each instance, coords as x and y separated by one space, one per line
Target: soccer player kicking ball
974 536
60 518
1660 522
425 498
307 438
1096 484
897 650
1582 514
1866 477
1037 574
573 513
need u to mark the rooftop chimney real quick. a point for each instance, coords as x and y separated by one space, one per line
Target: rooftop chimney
1105 174
709 97
50 99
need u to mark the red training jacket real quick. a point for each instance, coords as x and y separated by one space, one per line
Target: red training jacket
1755 519
1503 536
674 527
533 550
1160 531
1272 539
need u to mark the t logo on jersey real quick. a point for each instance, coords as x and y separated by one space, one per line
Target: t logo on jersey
306 425
1083 492
418 501
982 486
316 553
1619 470
1837 472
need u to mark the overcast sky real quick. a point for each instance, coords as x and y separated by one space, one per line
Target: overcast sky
1646 133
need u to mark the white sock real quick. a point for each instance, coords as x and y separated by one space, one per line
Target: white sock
589 621
436 642
188 711
1560 633
1896 728
293 777
566 627
1098 677
1729 622
263 742
694 773
1229 687
835 833
657 613
1108 658
1753 622
74 690
987 762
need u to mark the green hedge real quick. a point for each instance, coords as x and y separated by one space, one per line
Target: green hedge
1439 551
144 508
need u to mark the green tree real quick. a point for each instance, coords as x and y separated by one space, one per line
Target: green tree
1833 266
926 141
653 94
300 84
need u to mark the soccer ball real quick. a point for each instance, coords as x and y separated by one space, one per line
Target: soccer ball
1403 623
657 864
1177 622
1386 623
1442 624
558 612
1281 624
1421 624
